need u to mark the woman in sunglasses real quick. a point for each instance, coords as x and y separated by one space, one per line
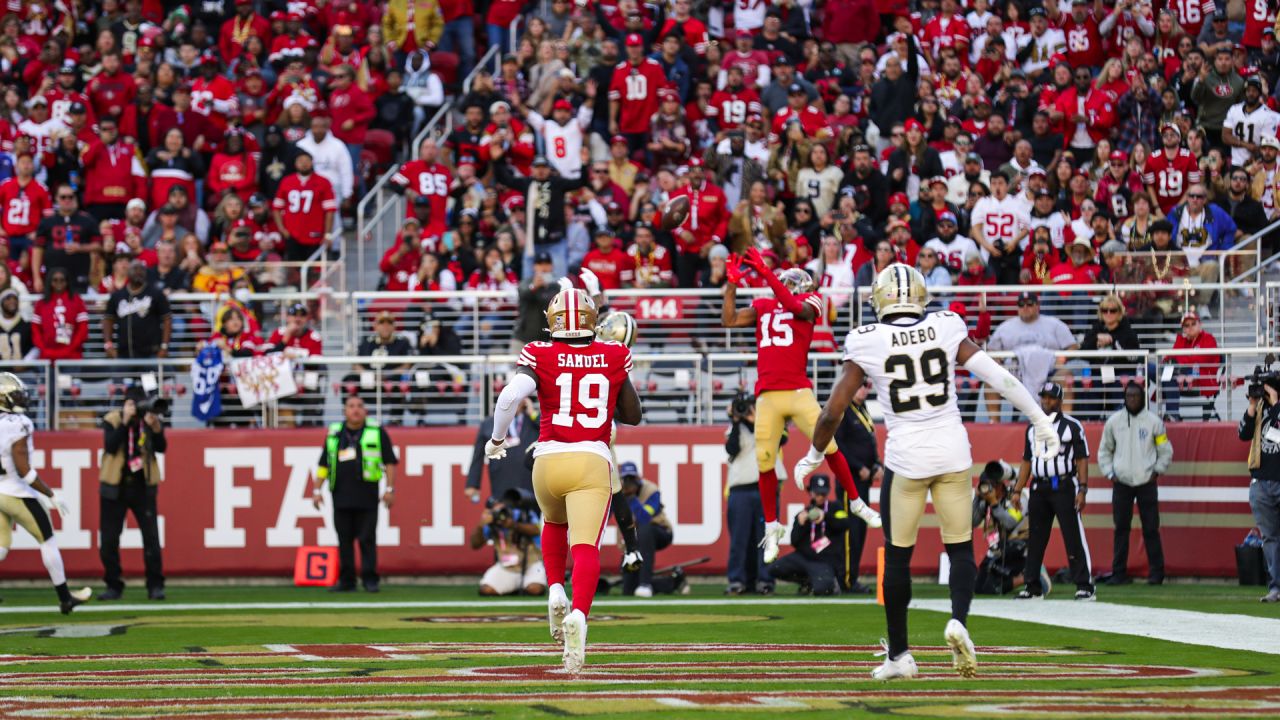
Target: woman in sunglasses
1110 331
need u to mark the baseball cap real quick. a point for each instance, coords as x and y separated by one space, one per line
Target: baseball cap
899 198
136 203
634 40
1084 242
410 221
947 216
1028 298
744 34
77 108
1190 315
542 257
541 161
795 89
1270 141
1036 170
1120 155
297 310
694 162
1113 246
1037 11
937 180
973 157
628 469
616 139
1051 389
912 124
562 104
820 484
1220 13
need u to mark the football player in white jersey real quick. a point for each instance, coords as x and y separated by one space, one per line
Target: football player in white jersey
24 498
911 357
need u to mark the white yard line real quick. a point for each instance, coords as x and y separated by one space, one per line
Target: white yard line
1221 630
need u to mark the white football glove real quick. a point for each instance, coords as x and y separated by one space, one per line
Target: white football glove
810 462
495 449
1046 443
590 280
55 503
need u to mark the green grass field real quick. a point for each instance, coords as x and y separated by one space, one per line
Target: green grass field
418 652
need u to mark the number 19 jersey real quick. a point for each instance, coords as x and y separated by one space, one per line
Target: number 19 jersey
578 388
782 342
912 366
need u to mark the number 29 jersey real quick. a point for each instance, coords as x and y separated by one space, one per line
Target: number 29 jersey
578 388
782 342
912 366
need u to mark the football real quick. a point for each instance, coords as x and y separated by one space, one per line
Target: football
673 212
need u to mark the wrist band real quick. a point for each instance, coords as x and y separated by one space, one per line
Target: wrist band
31 477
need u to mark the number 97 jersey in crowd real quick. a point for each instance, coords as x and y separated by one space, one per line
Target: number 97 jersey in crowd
578 388
912 366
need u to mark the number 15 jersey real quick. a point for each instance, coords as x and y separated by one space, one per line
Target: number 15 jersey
578 388
912 366
782 342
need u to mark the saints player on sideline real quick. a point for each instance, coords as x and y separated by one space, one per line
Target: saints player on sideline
620 327
24 498
582 385
911 359
784 330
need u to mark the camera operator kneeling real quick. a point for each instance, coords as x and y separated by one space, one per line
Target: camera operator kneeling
511 524
1005 529
1261 428
817 534
653 533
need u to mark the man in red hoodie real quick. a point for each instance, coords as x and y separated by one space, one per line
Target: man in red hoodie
352 111
112 172
706 225
237 30
111 90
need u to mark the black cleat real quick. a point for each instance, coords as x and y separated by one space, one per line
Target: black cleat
372 587
340 588
155 594
77 597
111 594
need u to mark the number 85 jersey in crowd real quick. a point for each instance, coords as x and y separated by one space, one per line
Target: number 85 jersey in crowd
578 389
912 366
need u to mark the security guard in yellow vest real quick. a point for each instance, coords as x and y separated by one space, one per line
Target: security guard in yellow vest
357 455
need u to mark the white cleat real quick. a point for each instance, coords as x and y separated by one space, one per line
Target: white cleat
963 657
864 511
557 608
631 562
902 668
644 591
773 534
575 642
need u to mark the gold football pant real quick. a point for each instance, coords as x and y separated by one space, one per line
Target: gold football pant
903 502
773 409
573 488
27 513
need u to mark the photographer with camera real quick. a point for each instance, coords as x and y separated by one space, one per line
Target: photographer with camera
747 570
512 524
129 481
1260 426
1005 529
817 534
653 529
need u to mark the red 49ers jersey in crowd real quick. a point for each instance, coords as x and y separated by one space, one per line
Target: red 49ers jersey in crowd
784 341
942 32
1084 41
636 88
1192 14
731 108
302 203
22 207
578 389
1170 176
429 179
1118 194
1258 16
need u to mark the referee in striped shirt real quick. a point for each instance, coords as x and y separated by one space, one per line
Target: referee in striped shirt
1058 489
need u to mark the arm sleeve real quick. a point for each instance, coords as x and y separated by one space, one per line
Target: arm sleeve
388 450
520 387
1106 447
1000 380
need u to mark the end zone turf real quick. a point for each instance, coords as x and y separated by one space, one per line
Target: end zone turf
430 652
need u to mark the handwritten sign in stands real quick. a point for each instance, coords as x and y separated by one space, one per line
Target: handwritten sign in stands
264 378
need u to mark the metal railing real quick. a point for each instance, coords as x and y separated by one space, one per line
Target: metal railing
676 388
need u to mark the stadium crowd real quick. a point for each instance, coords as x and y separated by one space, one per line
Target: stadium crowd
986 144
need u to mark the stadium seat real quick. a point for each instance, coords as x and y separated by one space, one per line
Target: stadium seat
445 64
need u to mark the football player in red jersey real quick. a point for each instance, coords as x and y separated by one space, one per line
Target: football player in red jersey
1170 170
583 386
784 329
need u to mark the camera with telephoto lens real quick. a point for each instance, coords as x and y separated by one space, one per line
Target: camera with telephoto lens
155 404
1263 375
742 404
